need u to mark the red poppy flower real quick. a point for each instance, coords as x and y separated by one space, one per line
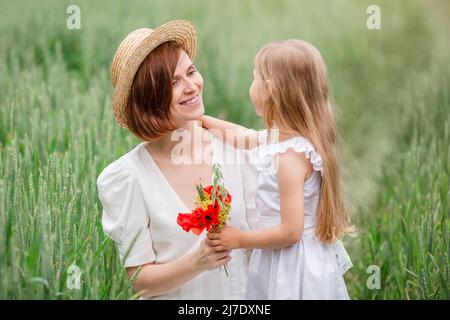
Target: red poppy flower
207 214
185 221
208 189
200 219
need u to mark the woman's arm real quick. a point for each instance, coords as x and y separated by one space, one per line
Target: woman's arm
293 170
158 279
238 136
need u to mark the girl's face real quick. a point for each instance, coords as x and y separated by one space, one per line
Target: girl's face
256 93
187 101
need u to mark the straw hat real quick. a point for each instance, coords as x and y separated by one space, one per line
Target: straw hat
135 48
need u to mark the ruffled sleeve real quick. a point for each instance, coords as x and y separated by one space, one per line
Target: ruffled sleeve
264 156
125 218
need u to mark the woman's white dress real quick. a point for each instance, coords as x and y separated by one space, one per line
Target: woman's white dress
140 208
308 269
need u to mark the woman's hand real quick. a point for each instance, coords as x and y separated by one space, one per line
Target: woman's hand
207 258
157 279
227 239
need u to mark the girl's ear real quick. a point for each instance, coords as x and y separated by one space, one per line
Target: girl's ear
268 87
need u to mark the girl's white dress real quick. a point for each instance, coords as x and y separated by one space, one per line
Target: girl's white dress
308 269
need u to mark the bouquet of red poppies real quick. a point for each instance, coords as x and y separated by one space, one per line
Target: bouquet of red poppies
213 207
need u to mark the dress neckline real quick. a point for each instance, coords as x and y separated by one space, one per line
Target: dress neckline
168 185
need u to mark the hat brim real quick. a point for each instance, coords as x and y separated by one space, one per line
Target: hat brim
180 31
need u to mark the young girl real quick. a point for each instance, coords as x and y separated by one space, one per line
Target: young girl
301 217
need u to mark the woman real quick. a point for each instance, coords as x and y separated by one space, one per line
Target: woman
158 97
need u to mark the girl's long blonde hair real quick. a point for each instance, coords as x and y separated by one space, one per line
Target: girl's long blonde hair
299 99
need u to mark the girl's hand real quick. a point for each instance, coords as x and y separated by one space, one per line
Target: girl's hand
207 122
202 122
227 239
208 258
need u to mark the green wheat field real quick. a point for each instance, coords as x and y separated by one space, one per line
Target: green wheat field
57 131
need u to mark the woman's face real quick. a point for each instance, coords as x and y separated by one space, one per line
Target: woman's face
187 102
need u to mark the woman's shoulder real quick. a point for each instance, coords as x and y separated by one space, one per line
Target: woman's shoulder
120 171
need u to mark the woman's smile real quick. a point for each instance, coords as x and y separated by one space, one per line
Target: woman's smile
193 101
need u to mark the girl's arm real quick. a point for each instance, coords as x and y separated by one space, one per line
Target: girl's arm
238 136
292 172
157 279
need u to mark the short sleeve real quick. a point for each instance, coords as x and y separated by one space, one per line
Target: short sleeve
264 157
124 216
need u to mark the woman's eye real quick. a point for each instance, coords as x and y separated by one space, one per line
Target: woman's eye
192 71
174 82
